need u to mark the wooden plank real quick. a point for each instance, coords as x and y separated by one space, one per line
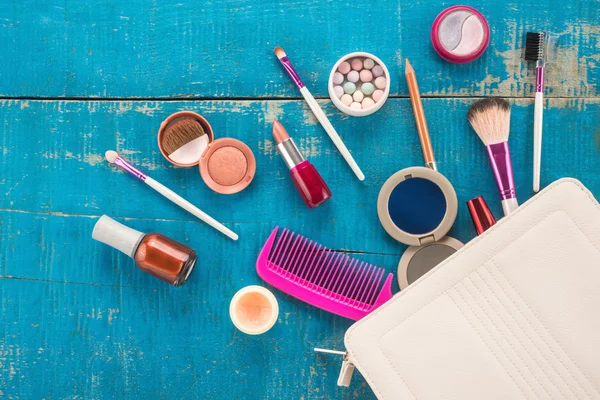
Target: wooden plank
53 162
77 319
222 49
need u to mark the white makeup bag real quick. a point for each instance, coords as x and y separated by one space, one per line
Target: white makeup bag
515 314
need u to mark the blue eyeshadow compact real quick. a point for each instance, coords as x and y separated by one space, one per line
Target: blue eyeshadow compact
417 206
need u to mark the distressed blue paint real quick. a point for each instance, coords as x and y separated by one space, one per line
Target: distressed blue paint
224 48
77 319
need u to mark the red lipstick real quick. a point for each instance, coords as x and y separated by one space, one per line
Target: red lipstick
306 178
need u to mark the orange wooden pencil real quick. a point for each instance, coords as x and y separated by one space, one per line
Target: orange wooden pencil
415 99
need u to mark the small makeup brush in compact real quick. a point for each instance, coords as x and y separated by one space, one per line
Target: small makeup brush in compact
539 47
183 140
113 158
490 118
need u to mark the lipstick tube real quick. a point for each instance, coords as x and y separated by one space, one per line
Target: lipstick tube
309 183
482 217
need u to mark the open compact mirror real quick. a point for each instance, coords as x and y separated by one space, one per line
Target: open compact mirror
226 165
417 206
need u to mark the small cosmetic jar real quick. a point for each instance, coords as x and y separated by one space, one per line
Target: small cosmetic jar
417 206
254 310
226 165
460 34
359 84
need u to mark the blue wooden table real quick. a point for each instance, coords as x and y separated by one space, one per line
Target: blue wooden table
79 320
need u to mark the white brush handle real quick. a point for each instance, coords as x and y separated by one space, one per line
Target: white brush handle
509 205
537 139
316 109
189 207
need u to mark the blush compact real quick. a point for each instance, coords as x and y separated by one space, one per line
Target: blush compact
460 34
417 206
226 165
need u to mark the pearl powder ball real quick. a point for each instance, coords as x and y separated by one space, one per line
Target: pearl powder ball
344 67
377 71
352 76
366 75
339 91
367 103
357 64
346 99
350 87
338 78
368 63
377 95
358 96
356 105
380 82
367 88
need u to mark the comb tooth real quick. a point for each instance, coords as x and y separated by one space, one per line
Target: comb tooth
366 284
328 282
376 286
287 263
284 251
351 279
310 264
301 242
337 278
358 280
300 265
277 252
372 286
317 273
305 259
320 278
349 273
368 288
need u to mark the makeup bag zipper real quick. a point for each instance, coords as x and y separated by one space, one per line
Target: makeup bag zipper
347 369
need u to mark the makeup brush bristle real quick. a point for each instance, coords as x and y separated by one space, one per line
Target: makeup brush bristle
490 118
535 46
180 132
279 52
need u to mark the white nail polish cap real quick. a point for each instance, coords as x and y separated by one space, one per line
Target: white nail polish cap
117 235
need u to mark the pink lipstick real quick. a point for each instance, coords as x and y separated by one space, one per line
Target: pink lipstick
309 183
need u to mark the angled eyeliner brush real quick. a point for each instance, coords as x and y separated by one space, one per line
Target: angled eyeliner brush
318 112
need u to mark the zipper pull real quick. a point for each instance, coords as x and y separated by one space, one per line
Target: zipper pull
347 367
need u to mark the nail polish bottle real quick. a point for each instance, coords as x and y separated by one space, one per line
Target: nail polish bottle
153 253
309 183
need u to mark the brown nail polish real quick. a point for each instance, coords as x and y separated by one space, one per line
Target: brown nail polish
153 253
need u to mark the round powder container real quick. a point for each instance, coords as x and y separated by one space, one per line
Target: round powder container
417 206
254 310
226 165
460 34
364 69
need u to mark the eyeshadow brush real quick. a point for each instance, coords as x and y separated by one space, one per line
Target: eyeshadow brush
318 112
113 158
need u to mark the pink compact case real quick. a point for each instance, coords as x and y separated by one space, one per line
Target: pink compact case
460 34
226 165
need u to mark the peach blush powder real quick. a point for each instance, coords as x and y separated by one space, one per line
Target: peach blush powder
227 166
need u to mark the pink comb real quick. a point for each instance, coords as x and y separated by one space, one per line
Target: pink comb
325 278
